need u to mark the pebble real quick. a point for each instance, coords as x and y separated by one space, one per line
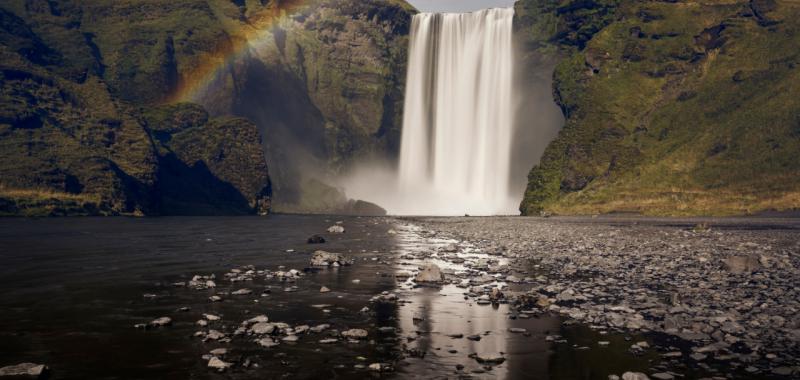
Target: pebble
355 334
160 322
218 364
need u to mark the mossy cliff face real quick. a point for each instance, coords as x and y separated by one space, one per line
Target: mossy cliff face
84 80
68 146
672 108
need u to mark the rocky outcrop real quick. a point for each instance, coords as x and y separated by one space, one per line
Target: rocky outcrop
327 84
671 107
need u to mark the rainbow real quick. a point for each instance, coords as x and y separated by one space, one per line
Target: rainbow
254 30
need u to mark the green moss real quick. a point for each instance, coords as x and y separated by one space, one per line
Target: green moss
677 108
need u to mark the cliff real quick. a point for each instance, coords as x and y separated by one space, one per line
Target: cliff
672 107
94 119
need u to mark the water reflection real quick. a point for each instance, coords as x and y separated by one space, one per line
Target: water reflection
439 321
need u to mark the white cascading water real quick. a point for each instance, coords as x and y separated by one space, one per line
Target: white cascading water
457 123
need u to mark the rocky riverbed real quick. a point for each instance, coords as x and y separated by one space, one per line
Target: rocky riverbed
305 297
721 296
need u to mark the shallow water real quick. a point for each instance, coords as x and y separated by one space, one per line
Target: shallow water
74 288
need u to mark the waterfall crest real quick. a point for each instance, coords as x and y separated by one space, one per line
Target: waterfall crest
457 123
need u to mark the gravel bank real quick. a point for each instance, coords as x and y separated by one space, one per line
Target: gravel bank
728 288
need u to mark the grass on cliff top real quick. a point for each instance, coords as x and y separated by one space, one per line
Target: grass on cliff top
46 202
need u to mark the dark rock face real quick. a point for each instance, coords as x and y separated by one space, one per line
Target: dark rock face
326 84
208 167
666 106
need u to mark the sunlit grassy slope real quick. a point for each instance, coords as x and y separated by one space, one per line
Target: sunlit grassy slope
673 108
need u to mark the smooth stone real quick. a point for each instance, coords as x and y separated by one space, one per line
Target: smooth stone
24 370
634 376
430 273
490 358
336 229
324 289
219 352
161 322
218 364
355 334
267 342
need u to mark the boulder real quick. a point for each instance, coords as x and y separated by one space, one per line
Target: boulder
430 273
23 370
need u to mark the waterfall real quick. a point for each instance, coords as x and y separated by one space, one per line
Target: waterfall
457 123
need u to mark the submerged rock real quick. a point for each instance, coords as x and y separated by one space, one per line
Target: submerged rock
316 239
325 258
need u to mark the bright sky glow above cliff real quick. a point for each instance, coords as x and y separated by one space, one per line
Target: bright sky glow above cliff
458 5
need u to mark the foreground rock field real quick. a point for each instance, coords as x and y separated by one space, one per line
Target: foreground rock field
727 289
